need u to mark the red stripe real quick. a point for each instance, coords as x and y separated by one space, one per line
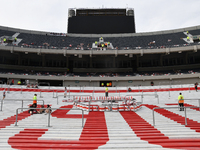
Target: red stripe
94 134
147 132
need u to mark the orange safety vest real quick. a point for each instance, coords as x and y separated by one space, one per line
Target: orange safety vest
180 99
34 100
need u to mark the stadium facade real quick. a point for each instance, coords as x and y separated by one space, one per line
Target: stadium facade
71 59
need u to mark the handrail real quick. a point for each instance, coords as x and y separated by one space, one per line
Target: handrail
110 104
171 107
82 95
1 82
58 96
44 83
190 88
194 99
142 96
17 100
164 89
56 93
42 90
72 96
49 113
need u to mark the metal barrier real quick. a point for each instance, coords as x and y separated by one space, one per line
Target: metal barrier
164 89
166 83
50 113
57 97
73 97
56 94
82 95
8 89
171 107
194 99
117 91
82 89
42 90
142 96
17 100
44 83
191 86
1 82
21 90
110 104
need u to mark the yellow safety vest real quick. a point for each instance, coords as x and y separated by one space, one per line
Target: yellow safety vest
34 99
106 89
180 99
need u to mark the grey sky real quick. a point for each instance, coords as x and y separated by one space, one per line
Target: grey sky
51 15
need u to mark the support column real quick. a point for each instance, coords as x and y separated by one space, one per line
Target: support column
114 62
3 59
67 61
161 60
19 59
91 62
28 61
137 61
43 61
186 58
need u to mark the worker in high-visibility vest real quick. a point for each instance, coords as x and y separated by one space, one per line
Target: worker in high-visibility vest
106 91
19 82
181 101
35 100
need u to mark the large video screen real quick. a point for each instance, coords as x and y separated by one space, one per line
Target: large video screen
101 24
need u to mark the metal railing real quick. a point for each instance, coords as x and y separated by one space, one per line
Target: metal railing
84 96
50 113
109 103
44 83
1 82
165 90
17 100
142 96
42 90
59 96
194 99
56 93
185 108
73 98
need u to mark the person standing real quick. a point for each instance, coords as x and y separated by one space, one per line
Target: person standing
65 94
106 91
181 101
4 93
196 86
48 110
12 82
35 100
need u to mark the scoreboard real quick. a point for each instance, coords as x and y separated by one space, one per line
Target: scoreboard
101 21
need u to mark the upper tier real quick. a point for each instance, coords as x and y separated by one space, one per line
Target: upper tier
144 40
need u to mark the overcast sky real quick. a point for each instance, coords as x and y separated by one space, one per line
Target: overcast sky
51 15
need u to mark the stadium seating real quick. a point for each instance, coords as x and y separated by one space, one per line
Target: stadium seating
36 40
102 130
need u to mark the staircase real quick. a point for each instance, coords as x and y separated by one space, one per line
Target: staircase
125 130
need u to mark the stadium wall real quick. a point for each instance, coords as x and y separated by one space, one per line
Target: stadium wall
116 81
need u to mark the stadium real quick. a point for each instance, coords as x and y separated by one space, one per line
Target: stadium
145 72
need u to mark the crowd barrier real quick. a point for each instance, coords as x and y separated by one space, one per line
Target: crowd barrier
22 100
50 113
